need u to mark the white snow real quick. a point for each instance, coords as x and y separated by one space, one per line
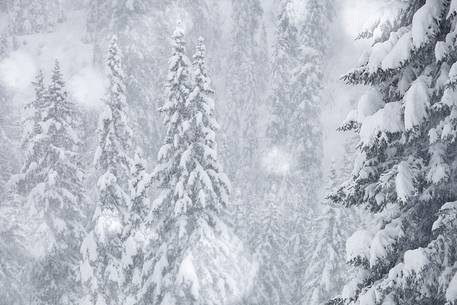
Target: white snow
368 297
446 209
404 181
368 104
108 223
439 169
18 70
417 102
399 53
424 25
452 8
451 291
453 73
389 119
130 250
86 271
188 276
88 87
383 241
414 261
358 245
277 161
381 49
89 246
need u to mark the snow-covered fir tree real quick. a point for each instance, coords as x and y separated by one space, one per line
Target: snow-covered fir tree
9 130
294 129
138 26
13 258
270 240
13 252
194 190
134 238
247 69
59 198
245 84
4 47
50 184
324 277
32 141
101 267
405 166
284 135
306 92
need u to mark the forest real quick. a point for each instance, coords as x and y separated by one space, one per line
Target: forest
228 152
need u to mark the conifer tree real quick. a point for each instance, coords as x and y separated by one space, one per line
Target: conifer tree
13 257
295 127
101 268
13 251
325 275
9 150
405 165
194 188
50 184
137 26
134 238
246 83
273 282
4 47
60 198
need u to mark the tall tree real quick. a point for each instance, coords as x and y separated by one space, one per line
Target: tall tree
138 26
51 184
9 130
405 171
133 234
13 250
324 277
59 197
246 84
13 257
194 188
247 68
101 268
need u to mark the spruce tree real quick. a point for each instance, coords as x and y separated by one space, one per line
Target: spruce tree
194 188
247 71
273 282
133 235
50 183
331 226
101 268
9 132
4 47
138 27
13 257
405 163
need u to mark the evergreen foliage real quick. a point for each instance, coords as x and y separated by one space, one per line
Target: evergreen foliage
101 267
405 161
